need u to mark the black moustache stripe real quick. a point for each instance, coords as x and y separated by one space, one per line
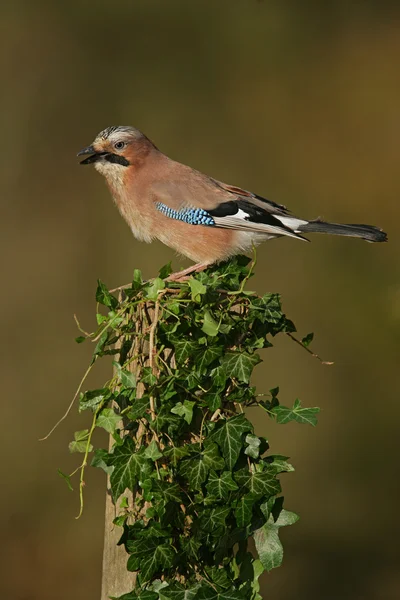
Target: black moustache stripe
117 159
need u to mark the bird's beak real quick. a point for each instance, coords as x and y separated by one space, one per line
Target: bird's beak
94 155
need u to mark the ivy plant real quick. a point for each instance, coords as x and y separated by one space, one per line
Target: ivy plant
191 480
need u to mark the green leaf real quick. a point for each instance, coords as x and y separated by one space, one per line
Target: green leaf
127 378
162 558
240 365
142 546
139 408
80 339
196 467
80 442
170 492
152 451
92 399
108 420
220 486
219 577
99 460
205 356
253 448
104 297
260 483
183 350
148 376
297 413
210 325
197 289
67 479
214 518
279 464
206 592
101 344
268 544
176 453
184 410
165 271
244 510
178 592
229 438
306 341
153 290
128 465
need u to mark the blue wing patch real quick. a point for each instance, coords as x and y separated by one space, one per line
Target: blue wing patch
192 216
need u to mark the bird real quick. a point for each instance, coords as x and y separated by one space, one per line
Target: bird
202 218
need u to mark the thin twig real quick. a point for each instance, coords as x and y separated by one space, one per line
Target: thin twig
324 362
71 404
151 351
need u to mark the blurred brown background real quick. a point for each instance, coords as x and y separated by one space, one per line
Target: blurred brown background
298 101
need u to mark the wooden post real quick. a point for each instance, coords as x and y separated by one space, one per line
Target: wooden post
116 579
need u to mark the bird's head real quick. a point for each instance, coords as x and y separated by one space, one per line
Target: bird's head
115 149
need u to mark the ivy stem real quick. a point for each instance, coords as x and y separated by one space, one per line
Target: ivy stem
71 403
84 462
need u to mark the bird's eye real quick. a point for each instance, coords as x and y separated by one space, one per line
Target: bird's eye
119 145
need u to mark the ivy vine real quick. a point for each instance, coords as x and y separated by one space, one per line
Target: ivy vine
202 482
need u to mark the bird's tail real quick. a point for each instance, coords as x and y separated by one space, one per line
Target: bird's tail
366 232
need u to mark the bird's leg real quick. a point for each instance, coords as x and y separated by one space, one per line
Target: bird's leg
183 275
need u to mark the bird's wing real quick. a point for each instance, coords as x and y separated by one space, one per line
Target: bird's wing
205 201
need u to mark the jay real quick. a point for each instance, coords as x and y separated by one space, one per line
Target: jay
198 216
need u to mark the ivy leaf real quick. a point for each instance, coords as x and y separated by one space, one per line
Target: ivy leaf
253 448
143 595
206 592
240 365
165 271
67 479
297 413
206 356
177 592
196 467
229 438
162 558
306 341
152 451
104 297
220 486
128 465
92 399
170 492
214 518
108 420
210 325
141 547
80 442
127 378
219 577
99 460
244 510
184 349
184 410
260 483
197 289
139 408
279 464
176 453
211 457
100 344
153 290
268 544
